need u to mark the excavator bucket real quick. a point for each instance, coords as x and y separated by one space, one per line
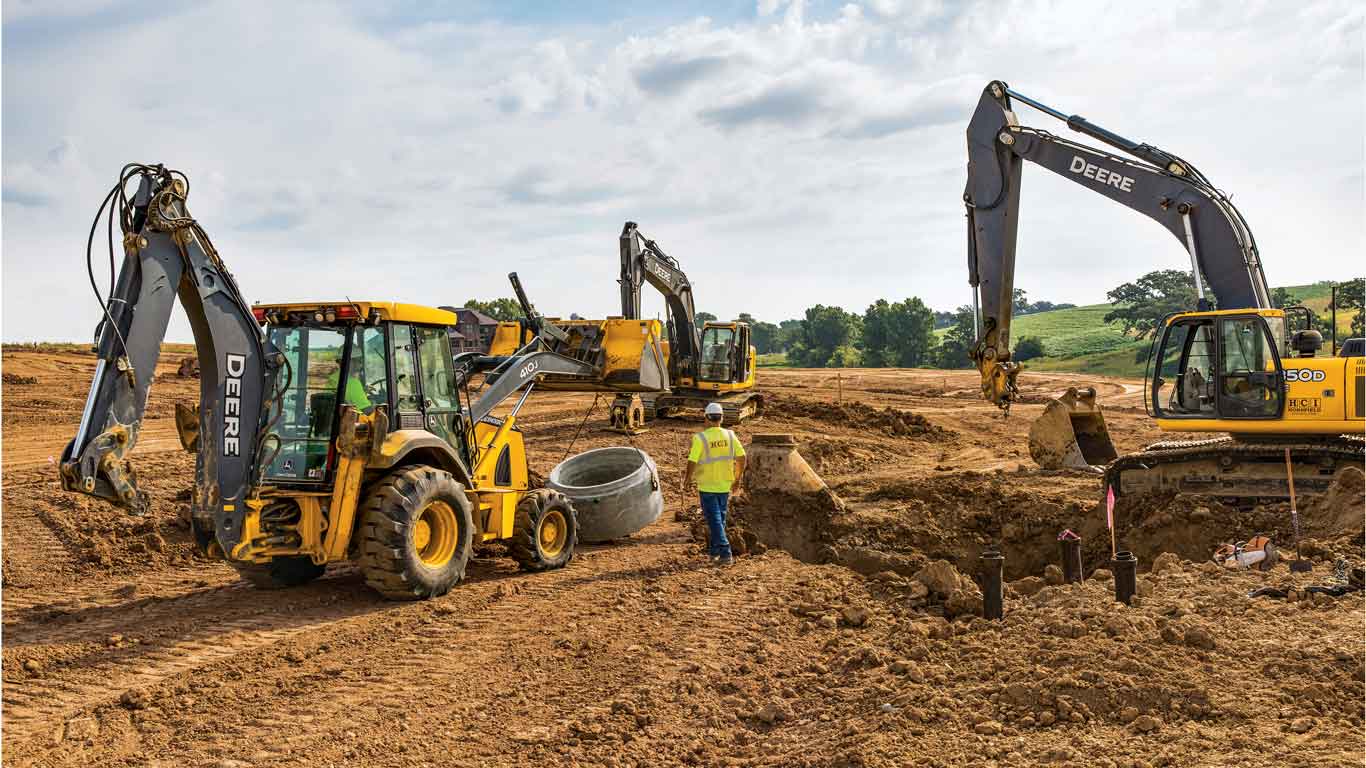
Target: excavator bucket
1071 433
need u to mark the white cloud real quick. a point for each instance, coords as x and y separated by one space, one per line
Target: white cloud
795 157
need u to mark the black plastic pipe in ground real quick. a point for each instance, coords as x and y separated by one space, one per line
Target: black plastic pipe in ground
993 566
1069 548
1125 569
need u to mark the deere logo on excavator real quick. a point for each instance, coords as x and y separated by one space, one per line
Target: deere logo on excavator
232 403
1090 171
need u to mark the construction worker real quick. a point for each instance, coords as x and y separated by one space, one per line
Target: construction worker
717 460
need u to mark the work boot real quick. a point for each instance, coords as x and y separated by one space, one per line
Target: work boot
727 561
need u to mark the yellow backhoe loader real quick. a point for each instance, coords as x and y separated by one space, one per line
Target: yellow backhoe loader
325 431
683 365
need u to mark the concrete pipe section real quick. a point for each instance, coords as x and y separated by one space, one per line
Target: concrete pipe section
615 491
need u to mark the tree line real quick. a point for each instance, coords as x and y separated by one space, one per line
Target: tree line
902 334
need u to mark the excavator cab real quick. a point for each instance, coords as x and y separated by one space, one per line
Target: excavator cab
725 353
1219 365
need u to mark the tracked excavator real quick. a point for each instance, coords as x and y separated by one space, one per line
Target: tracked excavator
1233 364
325 431
680 366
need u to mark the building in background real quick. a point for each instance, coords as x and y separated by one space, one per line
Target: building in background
473 330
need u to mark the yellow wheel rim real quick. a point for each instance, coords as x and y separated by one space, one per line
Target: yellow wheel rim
435 534
554 533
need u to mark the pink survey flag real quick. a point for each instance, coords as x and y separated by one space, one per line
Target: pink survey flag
1110 507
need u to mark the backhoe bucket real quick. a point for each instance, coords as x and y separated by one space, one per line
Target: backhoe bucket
1071 433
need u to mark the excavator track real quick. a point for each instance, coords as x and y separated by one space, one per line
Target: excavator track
1236 467
737 408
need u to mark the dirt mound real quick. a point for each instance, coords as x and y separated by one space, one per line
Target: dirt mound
892 422
836 456
102 538
14 378
1341 512
1192 526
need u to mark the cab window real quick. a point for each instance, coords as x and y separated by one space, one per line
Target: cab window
718 354
1249 381
367 379
405 370
437 381
1183 384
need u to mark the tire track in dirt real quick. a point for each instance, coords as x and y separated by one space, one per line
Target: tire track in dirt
33 546
447 648
40 704
79 596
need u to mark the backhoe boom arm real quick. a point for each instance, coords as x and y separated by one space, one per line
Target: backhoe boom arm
168 255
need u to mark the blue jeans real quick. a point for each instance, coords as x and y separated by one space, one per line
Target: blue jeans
714 510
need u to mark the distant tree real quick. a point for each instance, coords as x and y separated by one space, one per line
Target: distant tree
1047 306
702 318
764 336
1027 348
953 350
501 309
1282 297
900 334
788 333
942 319
846 356
1021 301
822 331
1350 299
1142 305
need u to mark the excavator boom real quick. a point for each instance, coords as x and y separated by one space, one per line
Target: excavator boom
1156 183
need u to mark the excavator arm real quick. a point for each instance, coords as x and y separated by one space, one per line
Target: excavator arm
168 255
1154 183
642 260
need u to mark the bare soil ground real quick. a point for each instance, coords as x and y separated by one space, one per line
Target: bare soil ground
121 647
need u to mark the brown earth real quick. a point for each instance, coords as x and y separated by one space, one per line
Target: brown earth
123 648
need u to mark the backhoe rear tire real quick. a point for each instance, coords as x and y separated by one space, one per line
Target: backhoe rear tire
545 531
280 573
416 534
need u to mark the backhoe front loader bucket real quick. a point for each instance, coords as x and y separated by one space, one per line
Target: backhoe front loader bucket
627 356
1071 433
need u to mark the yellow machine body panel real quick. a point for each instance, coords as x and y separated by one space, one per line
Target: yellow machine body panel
509 337
500 478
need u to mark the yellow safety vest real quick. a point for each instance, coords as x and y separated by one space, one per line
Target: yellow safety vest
715 450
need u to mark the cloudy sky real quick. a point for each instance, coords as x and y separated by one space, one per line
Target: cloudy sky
787 153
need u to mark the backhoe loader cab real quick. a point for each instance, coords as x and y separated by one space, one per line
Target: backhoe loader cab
375 434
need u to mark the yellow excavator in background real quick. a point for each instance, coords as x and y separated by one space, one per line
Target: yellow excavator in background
685 367
1236 365
345 430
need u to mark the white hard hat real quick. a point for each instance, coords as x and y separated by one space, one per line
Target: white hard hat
714 409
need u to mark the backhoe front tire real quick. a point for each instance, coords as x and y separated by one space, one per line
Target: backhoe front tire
280 573
416 534
545 531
